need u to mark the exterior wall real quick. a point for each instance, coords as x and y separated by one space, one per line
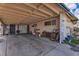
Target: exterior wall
6 29
76 29
22 28
66 26
77 24
1 29
42 27
69 26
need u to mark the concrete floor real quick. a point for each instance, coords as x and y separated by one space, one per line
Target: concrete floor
62 50
25 45
29 45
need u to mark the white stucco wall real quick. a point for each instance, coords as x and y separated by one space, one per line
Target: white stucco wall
7 29
1 28
42 27
68 26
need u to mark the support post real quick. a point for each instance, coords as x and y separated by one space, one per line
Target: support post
62 28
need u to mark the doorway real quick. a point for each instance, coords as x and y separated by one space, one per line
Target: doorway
12 28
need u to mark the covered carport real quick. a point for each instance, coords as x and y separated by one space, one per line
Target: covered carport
39 26
18 18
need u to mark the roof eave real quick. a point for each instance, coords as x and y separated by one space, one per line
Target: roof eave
67 10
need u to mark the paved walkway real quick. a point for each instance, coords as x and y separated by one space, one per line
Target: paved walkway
28 45
62 50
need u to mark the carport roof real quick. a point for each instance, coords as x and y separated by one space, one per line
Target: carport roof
14 13
21 13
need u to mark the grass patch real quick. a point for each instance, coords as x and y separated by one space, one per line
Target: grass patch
73 42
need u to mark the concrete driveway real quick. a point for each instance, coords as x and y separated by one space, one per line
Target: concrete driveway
25 45
62 50
29 45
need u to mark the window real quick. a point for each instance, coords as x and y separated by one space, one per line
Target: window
52 22
48 23
34 25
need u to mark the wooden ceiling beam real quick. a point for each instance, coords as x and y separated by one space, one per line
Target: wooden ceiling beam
31 10
27 20
55 16
39 9
53 12
12 11
10 19
50 7
17 15
23 19
2 21
22 10
11 14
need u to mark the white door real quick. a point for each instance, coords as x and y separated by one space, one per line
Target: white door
23 28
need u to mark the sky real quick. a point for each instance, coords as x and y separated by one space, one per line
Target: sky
74 8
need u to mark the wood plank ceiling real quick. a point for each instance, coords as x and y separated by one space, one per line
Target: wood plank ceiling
19 13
